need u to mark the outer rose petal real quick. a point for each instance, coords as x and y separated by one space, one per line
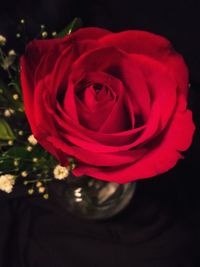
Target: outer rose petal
88 33
159 160
153 45
29 66
142 42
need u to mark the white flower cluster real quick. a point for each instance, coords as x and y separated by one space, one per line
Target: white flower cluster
60 172
7 182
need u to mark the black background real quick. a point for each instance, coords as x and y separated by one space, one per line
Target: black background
160 228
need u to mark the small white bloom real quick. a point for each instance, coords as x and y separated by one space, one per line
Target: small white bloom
15 96
44 34
53 34
60 172
38 184
32 140
16 163
7 182
30 191
24 174
2 40
7 113
41 189
29 148
45 196
12 53
10 142
35 160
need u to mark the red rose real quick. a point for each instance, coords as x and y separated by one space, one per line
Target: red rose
116 102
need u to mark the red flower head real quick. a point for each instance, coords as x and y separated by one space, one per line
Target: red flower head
116 102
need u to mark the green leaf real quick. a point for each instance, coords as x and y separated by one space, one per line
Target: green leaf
74 25
5 131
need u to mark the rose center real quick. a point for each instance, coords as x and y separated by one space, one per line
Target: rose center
94 102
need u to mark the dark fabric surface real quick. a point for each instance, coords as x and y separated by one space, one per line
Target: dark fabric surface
161 226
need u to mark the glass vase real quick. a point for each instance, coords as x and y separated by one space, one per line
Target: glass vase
93 199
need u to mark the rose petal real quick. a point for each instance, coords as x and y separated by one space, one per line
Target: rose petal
162 87
88 33
83 105
95 158
66 124
122 67
151 130
136 41
153 45
159 160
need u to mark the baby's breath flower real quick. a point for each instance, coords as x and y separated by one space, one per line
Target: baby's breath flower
12 53
41 189
10 142
30 191
32 140
29 148
38 184
15 96
2 40
60 172
44 34
20 132
24 174
35 160
53 34
18 35
16 163
8 112
7 182
46 196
